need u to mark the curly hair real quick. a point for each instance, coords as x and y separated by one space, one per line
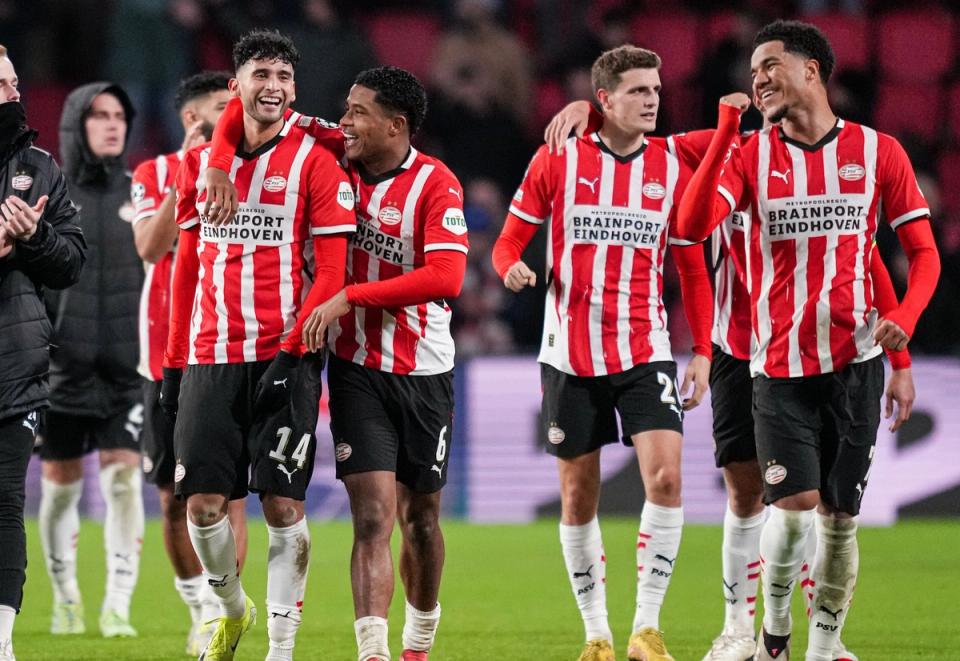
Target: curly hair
398 91
199 85
606 70
800 39
264 45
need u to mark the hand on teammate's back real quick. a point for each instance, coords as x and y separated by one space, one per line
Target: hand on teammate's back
519 276
221 204
276 384
315 326
697 374
170 391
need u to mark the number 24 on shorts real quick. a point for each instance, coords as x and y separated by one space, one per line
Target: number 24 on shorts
299 453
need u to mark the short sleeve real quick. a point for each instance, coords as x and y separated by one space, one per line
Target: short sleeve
690 147
900 196
187 215
145 191
445 225
532 201
327 134
331 202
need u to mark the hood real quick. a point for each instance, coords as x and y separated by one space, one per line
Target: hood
79 163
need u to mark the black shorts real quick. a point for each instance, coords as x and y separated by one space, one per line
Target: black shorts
157 437
223 447
579 413
391 422
731 397
819 432
66 436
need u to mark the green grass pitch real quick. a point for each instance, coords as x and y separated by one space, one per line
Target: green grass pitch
505 596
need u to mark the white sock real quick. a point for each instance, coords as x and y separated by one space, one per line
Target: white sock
781 555
7 615
806 569
587 568
287 564
191 591
371 638
121 486
209 603
834 575
658 543
420 628
59 521
741 571
217 551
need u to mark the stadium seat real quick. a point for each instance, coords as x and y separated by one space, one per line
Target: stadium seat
952 119
948 172
909 109
850 37
675 38
404 39
916 46
44 103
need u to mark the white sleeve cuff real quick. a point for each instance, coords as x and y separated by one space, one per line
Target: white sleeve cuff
912 215
522 215
459 247
332 229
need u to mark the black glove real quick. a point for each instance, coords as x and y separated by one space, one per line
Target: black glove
170 391
276 385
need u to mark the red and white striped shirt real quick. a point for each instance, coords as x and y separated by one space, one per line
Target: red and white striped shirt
401 216
255 271
151 183
732 330
607 238
814 213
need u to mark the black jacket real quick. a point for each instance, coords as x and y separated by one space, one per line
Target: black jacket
93 369
52 258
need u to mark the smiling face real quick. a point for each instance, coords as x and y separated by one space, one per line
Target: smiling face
781 79
106 126
632 105
367 126
266 88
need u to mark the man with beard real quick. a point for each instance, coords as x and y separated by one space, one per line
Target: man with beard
200 100
41 247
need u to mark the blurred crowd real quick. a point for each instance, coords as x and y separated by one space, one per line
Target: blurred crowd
497 71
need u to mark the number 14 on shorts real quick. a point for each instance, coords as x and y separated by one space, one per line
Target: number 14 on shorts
299 453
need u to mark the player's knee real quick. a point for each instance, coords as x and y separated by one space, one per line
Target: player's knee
422 528
120 481
746 502
664 487
280 512
372 522
206 510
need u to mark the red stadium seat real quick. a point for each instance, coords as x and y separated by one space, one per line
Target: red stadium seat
675 38
44 103
404 39
850 37
916 46
909 109
948 170
953 110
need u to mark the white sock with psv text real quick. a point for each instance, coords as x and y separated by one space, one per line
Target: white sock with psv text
587 568
371 635
191 592
806 569
782 545
121 487
217 550
420 628
59 522
834 577
658 543
287 565
741 571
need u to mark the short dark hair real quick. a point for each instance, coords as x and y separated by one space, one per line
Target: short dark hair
398 91
264 45
606 70
801 39
200 84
